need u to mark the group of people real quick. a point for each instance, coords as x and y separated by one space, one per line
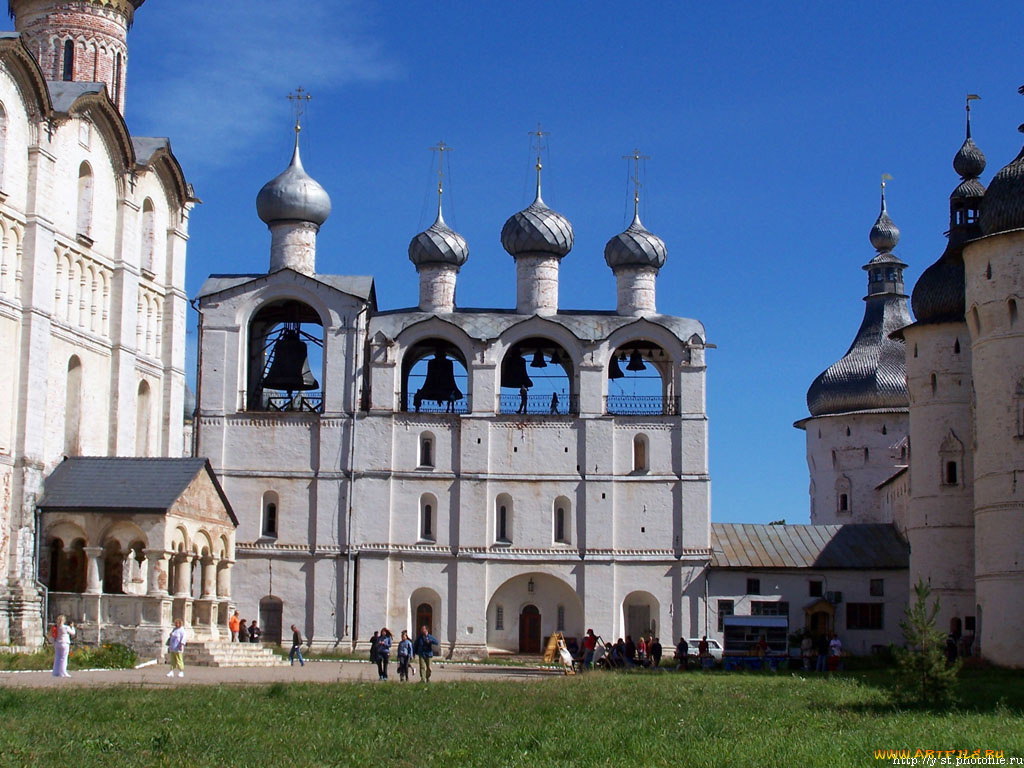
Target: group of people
424 647
623 653
825 652
240 633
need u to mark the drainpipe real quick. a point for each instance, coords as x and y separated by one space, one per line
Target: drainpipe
350 587
45 618
199 376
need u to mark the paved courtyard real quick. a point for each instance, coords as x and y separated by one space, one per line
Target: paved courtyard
155 675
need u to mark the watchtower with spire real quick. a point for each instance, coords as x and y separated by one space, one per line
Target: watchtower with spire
83 41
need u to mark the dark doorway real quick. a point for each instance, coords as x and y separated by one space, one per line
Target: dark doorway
529 630
270 619
424 618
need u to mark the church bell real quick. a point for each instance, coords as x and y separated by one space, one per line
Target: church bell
538 360
614 372
513 373
636 361
289 370
440 382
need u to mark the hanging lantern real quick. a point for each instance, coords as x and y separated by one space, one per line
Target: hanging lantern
636 361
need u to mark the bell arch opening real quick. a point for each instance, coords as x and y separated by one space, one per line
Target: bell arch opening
539 373
286 343
435 378
640 380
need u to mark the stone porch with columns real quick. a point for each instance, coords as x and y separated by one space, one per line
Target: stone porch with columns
128 545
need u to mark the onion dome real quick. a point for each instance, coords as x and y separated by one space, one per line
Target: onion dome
884 234
872 374
636 247
293 196
1002 208
537 230
939 294
439 244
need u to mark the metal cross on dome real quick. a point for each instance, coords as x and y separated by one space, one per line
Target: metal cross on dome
636 157
440 148
299 100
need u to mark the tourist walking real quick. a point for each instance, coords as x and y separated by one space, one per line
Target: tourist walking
522 404
655 651
243 632
589 646
383 652
424 649
296 651
233 624
682 653
374 645
254 632
62 634
404 655
176 648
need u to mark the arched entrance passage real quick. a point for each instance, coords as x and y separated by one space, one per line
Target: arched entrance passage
640 614
271 611
425 611
526 609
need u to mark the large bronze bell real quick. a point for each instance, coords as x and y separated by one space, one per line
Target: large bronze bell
538 360
636 362
440 382
513 373
614 372
289 370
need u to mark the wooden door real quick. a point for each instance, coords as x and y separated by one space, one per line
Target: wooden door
529 630
270 619
424 618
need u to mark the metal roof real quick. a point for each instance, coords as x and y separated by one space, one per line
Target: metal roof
122 484
360 286
855 546
65 93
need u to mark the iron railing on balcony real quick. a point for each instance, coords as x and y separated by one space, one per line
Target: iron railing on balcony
540 404
273 402
641 405
436 406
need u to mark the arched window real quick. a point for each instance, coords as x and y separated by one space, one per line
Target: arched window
428 526
73 408
562 522
117 80
952 476
503 519
148 234
68 69
285 363
1012 306
268 525
640 453
537 375
426 450
85 194
142 420
843 497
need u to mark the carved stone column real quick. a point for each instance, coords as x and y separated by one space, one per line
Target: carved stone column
93 585
209 577
157 575
224 579
183 576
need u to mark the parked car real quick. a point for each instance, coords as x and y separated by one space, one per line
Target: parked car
714 647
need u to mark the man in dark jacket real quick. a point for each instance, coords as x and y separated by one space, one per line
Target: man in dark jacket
423 648
296 647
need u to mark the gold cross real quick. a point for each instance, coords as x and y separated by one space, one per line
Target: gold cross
441 148
540 139
299 100
636 157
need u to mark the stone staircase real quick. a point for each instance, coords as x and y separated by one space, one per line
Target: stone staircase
222 653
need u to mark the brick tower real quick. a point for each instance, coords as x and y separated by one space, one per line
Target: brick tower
79 40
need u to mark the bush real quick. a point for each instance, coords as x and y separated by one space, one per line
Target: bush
108 656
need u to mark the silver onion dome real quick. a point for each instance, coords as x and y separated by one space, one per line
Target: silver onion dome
636 247
537 229
884 234
293 196
439 244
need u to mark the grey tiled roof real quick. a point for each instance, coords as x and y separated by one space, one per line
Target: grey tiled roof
122 484
360 286
847 547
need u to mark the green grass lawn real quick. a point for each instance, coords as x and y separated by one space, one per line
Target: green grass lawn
695 719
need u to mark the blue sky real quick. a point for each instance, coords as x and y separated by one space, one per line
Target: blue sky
768 126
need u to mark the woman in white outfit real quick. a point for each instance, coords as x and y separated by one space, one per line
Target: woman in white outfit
61 646
176 647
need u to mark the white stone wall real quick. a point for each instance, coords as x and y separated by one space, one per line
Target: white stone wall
851 453
635 292
293 245
437 287
994 272
536 284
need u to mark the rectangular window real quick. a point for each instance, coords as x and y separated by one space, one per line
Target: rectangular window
814 588
968 624
877 588
864 615
753 586
725 608
769 608
499 618
560 627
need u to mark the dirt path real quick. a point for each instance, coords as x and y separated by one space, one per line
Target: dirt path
155 676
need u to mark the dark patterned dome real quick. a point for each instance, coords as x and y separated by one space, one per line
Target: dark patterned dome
636 247
537 229
969 161
293 196
439 244
884 234
1003 205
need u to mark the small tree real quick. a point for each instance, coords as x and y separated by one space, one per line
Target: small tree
924 675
